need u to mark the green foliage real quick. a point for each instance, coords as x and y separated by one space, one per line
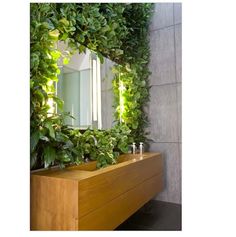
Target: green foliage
115 30
133 71
103 146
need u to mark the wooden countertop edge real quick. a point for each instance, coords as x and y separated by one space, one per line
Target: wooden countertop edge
86 174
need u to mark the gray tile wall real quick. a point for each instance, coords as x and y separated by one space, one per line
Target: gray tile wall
165 102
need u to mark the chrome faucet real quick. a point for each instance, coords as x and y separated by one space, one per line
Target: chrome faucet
141 148
134 148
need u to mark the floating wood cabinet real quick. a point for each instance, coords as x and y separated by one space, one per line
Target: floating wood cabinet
85 198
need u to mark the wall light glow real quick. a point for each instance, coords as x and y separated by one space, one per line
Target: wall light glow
122 107
99 108
50 103
94 69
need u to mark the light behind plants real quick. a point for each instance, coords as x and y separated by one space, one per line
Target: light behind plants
114 30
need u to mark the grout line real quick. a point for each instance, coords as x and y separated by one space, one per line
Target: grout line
167 84
176 89
164 27
174 47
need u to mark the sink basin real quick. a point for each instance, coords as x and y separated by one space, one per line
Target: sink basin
91 166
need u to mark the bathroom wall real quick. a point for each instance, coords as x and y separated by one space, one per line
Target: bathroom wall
165 102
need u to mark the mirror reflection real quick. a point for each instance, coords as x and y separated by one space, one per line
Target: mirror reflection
85 86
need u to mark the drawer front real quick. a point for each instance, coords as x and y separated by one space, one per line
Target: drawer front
113 213
94 192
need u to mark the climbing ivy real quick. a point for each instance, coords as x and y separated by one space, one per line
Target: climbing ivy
133 72
115 30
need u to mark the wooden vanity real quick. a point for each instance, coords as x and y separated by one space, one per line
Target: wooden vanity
85 198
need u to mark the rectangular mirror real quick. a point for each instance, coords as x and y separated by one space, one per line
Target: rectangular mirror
85 86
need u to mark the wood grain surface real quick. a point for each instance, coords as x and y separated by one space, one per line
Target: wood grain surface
84 198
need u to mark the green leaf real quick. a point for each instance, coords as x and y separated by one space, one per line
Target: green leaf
143 83
81 38
49 126
135 125
39 95
60 137
49 155
64 21
31 84
58 71
123 147
68 144
56 54
34 61
119 52
100 56
115 70
66 158
82 48
33 159
72 29
64 36
54 34
105 28
115 25
66 60
116 154
87 148
60 103
44 138
34 138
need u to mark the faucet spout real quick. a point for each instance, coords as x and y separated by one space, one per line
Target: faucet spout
141 148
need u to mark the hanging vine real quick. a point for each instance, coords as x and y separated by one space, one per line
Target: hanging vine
115 30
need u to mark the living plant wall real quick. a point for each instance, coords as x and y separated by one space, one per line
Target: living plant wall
115 30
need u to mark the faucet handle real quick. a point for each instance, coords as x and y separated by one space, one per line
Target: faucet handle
141 148
134 148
